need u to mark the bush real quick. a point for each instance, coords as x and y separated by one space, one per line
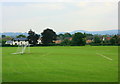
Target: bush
65 42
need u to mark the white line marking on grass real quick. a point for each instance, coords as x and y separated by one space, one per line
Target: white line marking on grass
104 56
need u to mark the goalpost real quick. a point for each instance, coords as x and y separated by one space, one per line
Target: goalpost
21 48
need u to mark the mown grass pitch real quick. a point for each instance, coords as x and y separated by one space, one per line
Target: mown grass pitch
61 64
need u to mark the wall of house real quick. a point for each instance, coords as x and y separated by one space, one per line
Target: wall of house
20 43
39 41
9 43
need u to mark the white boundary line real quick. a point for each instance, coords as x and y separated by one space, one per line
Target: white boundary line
104 56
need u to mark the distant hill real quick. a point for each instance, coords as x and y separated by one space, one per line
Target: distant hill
13 34
106 32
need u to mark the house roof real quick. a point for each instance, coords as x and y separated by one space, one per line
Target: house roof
9 41
20 39
108 38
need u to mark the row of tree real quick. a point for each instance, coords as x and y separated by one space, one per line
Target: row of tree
78 39
48 37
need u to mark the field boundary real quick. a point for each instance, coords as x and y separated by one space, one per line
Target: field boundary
104 56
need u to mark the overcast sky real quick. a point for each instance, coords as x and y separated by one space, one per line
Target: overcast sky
59 16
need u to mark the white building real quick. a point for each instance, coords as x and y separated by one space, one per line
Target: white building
20 41
39 41
9 42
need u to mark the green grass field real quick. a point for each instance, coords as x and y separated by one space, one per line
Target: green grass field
61 64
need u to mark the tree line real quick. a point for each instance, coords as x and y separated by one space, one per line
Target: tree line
49 37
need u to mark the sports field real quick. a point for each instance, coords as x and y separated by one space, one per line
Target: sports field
61 64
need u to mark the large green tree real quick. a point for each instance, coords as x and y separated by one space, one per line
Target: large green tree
78 39
115 40
66 42
63 36
67 35
48 36
2 41
97 40
33 37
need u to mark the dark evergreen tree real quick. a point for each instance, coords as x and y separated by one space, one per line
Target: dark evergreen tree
33 38
115 40
48 36
78 39
3 36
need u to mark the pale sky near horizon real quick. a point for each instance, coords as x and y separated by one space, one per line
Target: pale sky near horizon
59 16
